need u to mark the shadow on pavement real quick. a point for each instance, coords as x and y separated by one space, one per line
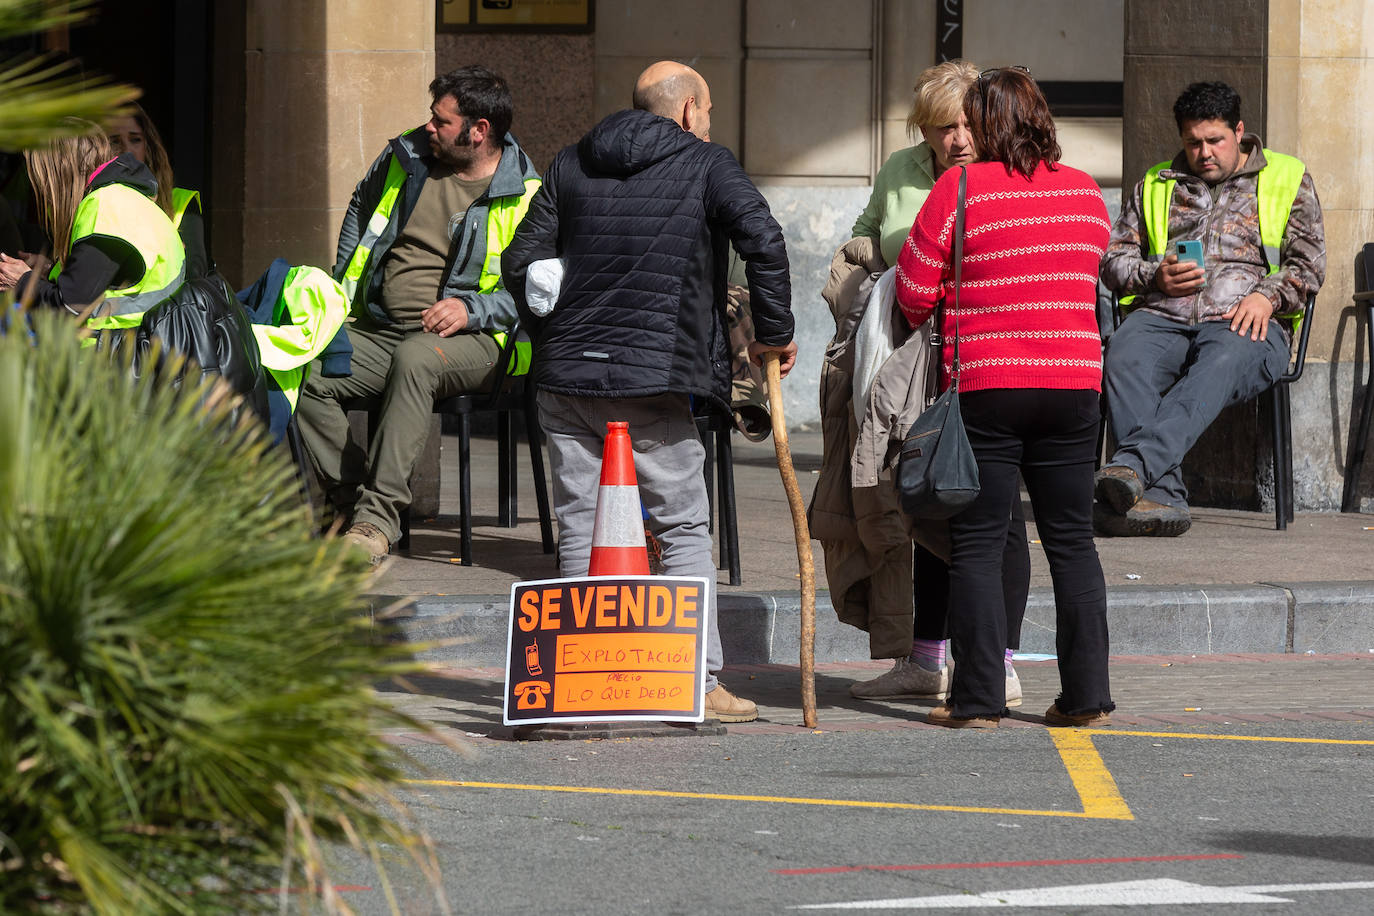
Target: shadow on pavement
1357 850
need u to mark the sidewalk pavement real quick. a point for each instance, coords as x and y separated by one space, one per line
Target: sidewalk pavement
1232 584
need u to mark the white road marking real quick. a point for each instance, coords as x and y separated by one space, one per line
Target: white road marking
1155 892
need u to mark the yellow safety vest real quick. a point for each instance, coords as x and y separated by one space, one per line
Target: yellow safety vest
310 311
503 215
121 212
1275 190
181 199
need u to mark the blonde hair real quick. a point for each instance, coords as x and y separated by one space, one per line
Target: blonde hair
940 95
59 172
158 163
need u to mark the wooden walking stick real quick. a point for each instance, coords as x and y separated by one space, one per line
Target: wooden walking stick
804 561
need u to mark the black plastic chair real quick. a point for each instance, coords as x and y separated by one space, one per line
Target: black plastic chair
714 426
509 394
1282 416
1364 295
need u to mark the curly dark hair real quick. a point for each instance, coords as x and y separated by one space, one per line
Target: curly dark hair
480 93
1010 121
1208 102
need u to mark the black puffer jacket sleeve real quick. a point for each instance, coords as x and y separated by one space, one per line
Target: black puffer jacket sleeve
734 202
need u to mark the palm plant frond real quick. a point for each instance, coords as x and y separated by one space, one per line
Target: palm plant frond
185 686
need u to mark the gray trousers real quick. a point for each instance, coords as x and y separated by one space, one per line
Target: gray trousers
408 371
669 467
1166 382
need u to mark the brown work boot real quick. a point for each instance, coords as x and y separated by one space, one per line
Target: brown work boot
370 538
1097 719
1118 485
1146 518
723 705
944 716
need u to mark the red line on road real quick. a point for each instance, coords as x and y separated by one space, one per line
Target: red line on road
838 869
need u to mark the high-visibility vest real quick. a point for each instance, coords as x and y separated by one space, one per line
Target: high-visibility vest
181 200
1275 190
307 315
121 212
503 215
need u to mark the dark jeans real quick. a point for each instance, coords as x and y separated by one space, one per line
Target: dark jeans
1049 436
1166 382
930 585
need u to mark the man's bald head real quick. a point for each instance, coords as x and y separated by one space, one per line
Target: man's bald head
677 92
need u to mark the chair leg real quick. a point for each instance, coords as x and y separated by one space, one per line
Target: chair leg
298 458
507 511
465 488
729 527
541 487
1350 499
1282 482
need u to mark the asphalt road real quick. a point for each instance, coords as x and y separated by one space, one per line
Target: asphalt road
1227 784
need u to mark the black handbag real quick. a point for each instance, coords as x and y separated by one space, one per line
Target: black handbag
937 473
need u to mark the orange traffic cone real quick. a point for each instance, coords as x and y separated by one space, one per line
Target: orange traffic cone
618 534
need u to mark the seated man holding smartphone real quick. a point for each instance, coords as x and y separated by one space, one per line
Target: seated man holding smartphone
1210 252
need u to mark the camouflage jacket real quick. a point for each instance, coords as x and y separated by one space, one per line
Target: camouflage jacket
1225 217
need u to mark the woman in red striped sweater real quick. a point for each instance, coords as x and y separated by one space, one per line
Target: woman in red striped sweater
1029 377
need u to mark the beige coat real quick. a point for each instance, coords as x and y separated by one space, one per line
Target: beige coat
863 532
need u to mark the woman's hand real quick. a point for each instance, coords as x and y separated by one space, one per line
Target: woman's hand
11 270
36 261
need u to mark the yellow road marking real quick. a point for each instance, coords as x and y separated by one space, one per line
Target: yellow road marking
1096 789
1202 737
770 799
1094 782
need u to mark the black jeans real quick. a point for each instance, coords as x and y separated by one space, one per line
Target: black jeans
930 585
1049 436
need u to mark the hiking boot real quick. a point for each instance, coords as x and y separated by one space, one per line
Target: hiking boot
370 538
1059 719
1146 518
906 679
1118 485
1014 695
942 715
723 705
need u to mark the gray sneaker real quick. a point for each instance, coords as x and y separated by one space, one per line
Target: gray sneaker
906 679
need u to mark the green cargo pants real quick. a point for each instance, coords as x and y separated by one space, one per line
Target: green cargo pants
408 370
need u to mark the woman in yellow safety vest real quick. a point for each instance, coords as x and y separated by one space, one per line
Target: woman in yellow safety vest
115 253
136 135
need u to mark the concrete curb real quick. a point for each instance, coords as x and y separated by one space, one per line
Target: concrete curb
765 628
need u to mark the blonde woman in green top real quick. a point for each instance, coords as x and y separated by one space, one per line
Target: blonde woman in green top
937 113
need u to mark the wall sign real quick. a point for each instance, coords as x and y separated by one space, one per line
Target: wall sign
605 649
515 15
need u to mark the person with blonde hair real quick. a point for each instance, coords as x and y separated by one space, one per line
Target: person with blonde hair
917 641
1020 296
112 247
136 134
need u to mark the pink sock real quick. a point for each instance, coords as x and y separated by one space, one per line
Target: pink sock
928 653
1008 662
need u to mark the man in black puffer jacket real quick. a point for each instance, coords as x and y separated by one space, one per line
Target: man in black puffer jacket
641 213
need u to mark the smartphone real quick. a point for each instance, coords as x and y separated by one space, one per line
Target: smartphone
1190 250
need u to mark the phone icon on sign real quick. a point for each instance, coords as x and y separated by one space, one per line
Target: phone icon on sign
532 659
532 694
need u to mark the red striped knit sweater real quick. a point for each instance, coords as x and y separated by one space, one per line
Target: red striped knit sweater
1028 303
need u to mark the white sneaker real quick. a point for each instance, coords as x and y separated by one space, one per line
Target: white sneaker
1013 687
906 679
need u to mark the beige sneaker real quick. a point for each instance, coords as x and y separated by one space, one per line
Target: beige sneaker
906 679
943 716
370 538
1014 695
1099 719
723 705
